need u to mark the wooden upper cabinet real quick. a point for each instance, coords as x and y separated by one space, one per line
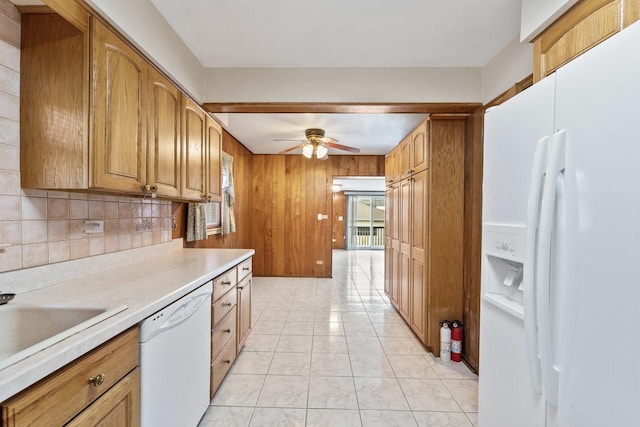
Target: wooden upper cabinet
392 166
420 147
163 164
586 24
119 113
213 160
405 157
194 121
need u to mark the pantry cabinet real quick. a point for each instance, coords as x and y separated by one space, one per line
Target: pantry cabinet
424 259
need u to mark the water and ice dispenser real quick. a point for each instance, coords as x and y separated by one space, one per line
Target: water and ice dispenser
503 254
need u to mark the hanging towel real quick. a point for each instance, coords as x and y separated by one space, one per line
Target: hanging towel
196 222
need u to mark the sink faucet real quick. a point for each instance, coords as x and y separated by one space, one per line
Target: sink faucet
5 298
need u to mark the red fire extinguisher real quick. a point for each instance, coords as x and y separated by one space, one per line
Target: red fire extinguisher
456 341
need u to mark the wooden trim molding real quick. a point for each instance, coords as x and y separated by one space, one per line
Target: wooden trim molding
342 108
511 92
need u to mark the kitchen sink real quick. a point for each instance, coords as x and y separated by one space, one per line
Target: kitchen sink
26 330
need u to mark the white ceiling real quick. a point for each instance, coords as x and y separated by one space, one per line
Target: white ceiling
343 33
371 133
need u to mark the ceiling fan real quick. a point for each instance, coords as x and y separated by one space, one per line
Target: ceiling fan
318 144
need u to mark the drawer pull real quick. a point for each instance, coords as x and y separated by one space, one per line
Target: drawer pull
227 331
241 287
226 304
245 268
97 380
227 361
226 282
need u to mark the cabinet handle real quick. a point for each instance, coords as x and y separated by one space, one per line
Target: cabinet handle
228 361
245 268
241 287
227 331
226 304
97 380
226 282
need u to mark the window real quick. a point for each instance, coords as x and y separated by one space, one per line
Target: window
214 219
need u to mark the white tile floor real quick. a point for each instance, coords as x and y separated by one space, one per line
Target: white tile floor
333 352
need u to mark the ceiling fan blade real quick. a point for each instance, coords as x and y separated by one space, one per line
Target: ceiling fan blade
343 147
328 139
290 140
295 147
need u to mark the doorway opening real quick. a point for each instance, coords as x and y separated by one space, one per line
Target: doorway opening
365 221
358 213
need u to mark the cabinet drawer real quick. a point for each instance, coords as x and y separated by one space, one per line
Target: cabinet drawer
59 397
244 269
119 407
222 364
223 283
224 305
223 331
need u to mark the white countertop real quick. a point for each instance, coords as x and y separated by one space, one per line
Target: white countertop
144 288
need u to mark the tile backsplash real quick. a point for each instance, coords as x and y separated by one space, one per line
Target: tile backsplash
46 227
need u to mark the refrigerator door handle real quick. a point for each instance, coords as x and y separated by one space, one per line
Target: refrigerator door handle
555 169
529 297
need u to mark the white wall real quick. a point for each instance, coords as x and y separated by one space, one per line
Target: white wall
144 25
342 85
537 14
510 65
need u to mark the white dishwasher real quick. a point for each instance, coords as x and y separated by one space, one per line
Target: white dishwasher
175 365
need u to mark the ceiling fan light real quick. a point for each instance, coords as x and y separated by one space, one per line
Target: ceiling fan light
321 151
307 151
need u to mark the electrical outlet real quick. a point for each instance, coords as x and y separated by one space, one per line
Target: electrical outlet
91 227
319 262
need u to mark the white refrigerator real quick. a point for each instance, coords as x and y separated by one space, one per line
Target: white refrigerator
559 338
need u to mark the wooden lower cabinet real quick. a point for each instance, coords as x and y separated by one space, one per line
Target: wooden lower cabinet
244 311
426 251
69 395
230 319
119 407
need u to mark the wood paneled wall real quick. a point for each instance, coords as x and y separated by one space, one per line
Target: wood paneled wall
338 225
288 193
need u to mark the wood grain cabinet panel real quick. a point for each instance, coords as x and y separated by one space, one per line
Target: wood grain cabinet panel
582 27
58 398
119 407
244 311
425 254
194 150
213 160
119 113
165 141
223 331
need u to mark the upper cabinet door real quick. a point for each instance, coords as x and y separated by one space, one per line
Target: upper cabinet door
118 113
214 159
163 167
405 157
193 151
420 148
